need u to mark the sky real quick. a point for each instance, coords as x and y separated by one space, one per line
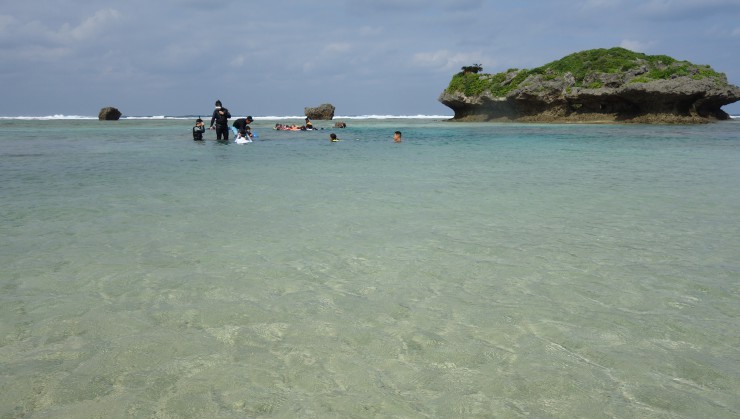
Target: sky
273 58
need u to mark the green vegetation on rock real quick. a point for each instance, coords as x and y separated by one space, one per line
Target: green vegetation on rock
587 69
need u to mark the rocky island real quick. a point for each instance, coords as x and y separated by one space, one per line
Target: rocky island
321 112
599 85
109 113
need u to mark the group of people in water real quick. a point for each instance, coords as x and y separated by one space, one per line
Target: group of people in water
220 122
307 127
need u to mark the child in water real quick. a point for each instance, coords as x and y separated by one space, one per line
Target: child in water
333 138
198 130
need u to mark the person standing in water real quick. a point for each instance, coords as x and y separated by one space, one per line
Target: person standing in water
242 123
198 130
220 118
397 137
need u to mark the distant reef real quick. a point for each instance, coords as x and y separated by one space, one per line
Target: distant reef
598 85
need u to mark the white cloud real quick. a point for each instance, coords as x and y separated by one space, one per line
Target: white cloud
417 43
91 26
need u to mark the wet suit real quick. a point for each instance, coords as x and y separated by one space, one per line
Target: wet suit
198 132
222 123
241 124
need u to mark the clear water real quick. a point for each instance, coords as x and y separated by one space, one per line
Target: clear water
472 270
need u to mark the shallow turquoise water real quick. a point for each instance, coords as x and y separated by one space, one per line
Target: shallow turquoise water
473 270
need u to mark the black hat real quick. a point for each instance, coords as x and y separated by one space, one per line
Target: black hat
218 103
198 120
249 118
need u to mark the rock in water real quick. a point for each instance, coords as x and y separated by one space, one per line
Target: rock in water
600 85
322 112
109 114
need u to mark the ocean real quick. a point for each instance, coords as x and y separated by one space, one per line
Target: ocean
473 270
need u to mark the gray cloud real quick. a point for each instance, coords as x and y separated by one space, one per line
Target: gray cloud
380 56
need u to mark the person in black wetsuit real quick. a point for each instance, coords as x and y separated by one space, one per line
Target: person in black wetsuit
242 123
220 118
198 130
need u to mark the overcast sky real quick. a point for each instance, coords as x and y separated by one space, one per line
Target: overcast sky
276 57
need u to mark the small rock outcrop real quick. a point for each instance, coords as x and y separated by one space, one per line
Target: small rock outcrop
321 112
614 85
109 114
